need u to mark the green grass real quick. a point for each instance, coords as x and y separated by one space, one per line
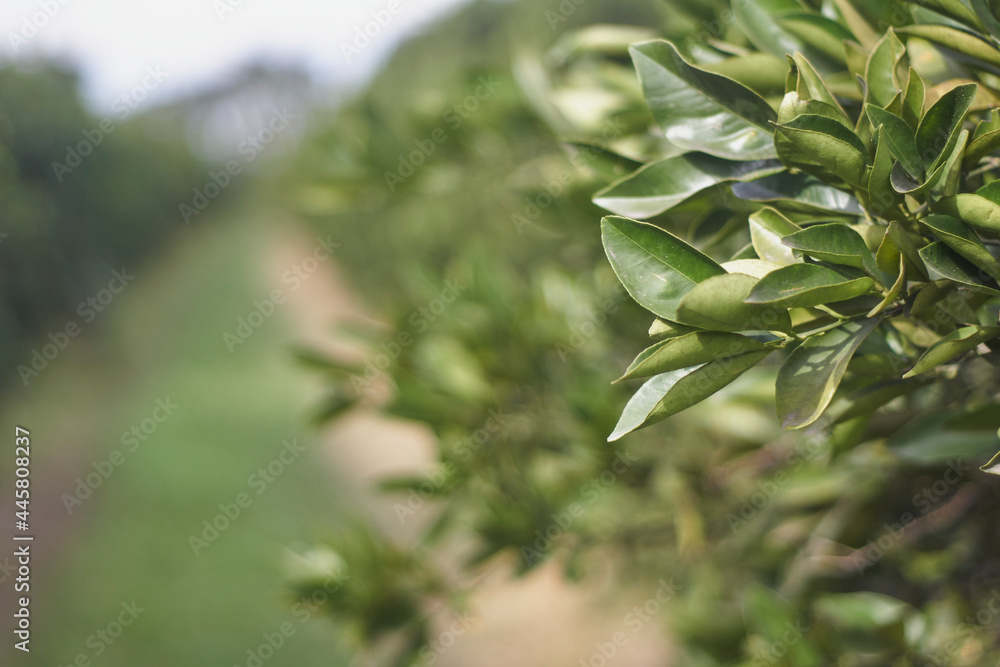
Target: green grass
162 337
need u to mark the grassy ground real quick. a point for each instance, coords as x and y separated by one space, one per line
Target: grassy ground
162 338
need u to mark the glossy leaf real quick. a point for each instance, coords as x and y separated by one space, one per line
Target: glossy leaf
810 376
816 141
940 125
805 286
700 110
798 192
656 267
834 242
901 140
691 349
659 186
667 394
956 343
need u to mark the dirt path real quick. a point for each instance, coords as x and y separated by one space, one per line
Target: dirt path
539 620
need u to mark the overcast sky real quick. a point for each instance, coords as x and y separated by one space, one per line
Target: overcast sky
194 42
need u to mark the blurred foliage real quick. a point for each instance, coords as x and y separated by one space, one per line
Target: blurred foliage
866 540
80 197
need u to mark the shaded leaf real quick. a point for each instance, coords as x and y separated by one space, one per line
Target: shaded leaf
943 262
798 192
809 377
667 394
950 346
940 125
691 349
718 303
957 236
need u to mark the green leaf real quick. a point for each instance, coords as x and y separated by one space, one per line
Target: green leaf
883 198
834 242
882 70
659 186
809 84
912 107
805 286
761 72
691 349
667 394
974 210
782 27
957 9
894 291
793 106
798 192
767 228
818 34
957 342
664 329
718 304
985 14
906 246
963 42
864 33
942 262
902 142
939 127
656 267
816 141
957 236
700 110
946 181
985 140
809 377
